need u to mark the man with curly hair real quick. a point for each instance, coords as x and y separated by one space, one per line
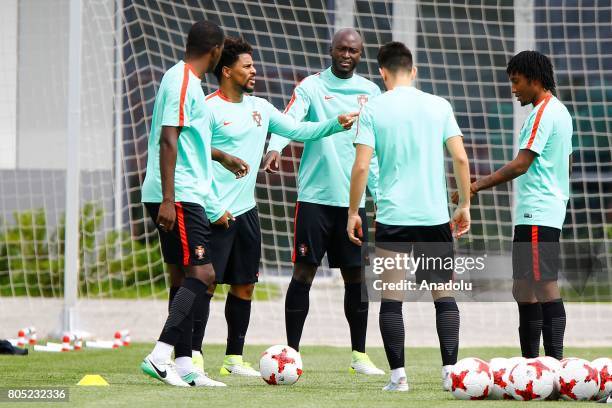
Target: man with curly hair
541 169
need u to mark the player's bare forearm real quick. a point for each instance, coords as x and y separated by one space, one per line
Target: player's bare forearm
167 160
359 176
217 155
461 169
510 171
234 164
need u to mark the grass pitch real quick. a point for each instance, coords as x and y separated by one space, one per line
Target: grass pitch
326 381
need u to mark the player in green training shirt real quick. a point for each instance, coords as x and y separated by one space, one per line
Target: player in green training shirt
323 194
175 192
542 170
240 124
409 129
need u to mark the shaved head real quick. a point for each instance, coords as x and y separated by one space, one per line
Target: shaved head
345 52
347 34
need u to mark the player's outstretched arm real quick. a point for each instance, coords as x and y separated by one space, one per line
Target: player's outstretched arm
232 163
290 129
510 171
167 164
359 179
460 222
286 126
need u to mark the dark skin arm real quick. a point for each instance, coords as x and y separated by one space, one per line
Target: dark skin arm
232 163
167 163
510 171
167 160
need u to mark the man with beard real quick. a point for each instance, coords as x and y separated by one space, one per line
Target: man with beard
323 194
241 123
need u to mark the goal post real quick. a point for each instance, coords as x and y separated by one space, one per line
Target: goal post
76 242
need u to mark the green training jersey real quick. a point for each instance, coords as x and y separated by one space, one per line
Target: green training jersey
324 175
543 191
240 129
180 103
408 129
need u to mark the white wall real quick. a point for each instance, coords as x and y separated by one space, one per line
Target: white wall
8 84
43 84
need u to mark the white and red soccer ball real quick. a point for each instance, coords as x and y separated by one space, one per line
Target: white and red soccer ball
280 365
532 379
471 379
604 368
500 369
578 380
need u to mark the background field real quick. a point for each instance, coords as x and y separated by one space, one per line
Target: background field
326 381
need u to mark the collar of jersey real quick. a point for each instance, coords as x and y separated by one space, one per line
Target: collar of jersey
544 98
191 69
332 78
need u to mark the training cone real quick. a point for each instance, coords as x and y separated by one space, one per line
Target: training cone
31 335
94 380
66 343
117 341
21 341
125 337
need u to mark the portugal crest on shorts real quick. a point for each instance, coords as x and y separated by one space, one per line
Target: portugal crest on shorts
362 99
199 251
303 249
257 118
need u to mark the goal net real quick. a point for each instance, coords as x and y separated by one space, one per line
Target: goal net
460 49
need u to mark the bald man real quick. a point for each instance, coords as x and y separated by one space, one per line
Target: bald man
323 194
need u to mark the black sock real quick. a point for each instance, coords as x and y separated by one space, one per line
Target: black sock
447 325
237 316
553 327
530 328
296 310
200 319
173 290
392 331
179 325
356 312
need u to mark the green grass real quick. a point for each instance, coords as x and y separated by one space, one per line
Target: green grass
326 381
103 290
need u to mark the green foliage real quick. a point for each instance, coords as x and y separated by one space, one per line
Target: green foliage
28 253
111 264
32 257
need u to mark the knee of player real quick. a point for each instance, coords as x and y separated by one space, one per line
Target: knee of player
243 291
547 291
523 290
204 273
304 273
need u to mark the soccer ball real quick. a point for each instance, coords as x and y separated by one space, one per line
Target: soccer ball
471 379
531 380
555 366
604 367
578 380
500 369
280 365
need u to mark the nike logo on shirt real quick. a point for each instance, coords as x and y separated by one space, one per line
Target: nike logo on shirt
327 97
226 123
